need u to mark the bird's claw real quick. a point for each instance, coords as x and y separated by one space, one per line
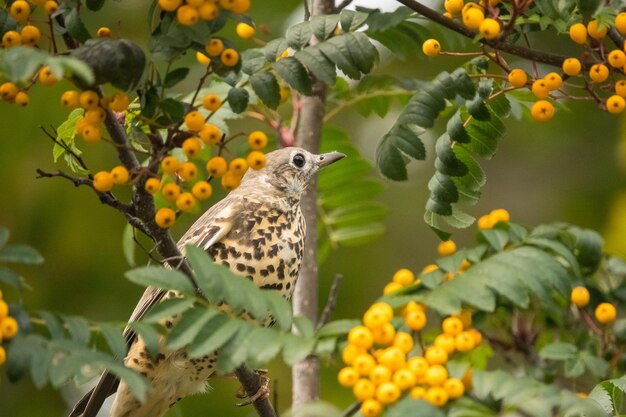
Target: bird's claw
262 392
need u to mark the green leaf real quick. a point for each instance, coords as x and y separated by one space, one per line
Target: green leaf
253 61
304 326
357 213
392 149
362 52
263 346
351 20
128 244
297 348
150 336
316 62
114 338
21 254
75 26
94 5
266 88
168 308
11 278
409 407
238 99
280 309
175 76
324 25
558 351
294 74
53 324
173 110
4 236
213 335
496 238
78 328
338 52
337 328
299 35
573 367
349 193
160 277
189 326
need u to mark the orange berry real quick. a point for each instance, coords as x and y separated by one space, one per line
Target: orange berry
617 58
238 166
170 164
8 91
404 379
187 15
208 11
8 327
46 77
120 175
103 181
436 355
380 374
404 341
605 313
30 35
578 33
371 408
152 185
256 160
517 78
500 215
70 99
211 102
392 357
119 102
541 111
465 342
95 116
572 67
489 28
364 389
165 217
103 32
186 202
3 357
171 191
388 393
553 81
202 190
245 31
418 365
453 6
350 352
210 134
403 277
89 100
446 342
187 171
391 287
620 23
615 104
194 121
361 336
22 99
437 396
454 387
170 5
378 315
436 375
452 326
192 147
20 10
214 47
598 73
417 392
415 320
239 6
216 166
473 17
11 39
596 31
540 89
91 133
203 59
229 57
50 7
257 140
363 364
4 309
384 334
431 47
230 181
347 377
446 248
620 88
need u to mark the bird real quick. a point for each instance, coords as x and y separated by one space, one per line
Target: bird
257 231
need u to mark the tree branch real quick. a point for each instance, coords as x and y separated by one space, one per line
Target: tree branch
331 302
531 54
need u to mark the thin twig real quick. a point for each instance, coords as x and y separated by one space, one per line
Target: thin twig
331 302
342 5
65 147
352 409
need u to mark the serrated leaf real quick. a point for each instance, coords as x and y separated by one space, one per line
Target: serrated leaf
188 328
351 20
75 26
294 74
280 310
78 328
11 278
167 308
149 335
161 278
238 99
175 76
213 335
558 351
316 62
337 52
337 328
324 25
253 60
392 148
297 348
266 88
299 35
114 338
263 346
20 254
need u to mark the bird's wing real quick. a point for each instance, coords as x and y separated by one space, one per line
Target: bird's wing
211 227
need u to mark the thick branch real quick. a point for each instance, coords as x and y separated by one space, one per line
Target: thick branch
531 54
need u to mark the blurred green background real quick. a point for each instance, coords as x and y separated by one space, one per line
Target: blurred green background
568 170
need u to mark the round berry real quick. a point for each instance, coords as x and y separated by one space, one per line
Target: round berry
437 396
245 31
20 10
8 91
615 104
186 202
489 28
436 355
431 47
194 121
187 15
620 88
446 248
404 341
616 58
210 134
103 181
170 164
553 81
361 336
95 116
518 78
598 73
8 327
347 377
595 30
436 375
192 147
391 288
203 59
50 7
238 166
3 357
388 393
364 363
230 181
404 379
446 342
103 32
392 357
165 217
540 89
4 309
46 77
239 6
171 191
473 17
418 365
541 111
214 47
208 11
371 408
571 67
120 175
30 35
170 5
452 326
11 39
415 319
384 334
380 374
202 190
22 99
350 352
119 102
364 389
257 140
465 342
187 171
453 6
256 160
578 33
229 57
417 392
620 23
91 133
605 313
211 102
216 166
152 185
403 277
70 99
378 315
89 100
454 387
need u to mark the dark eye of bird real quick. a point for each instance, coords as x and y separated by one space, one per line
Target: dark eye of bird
298 160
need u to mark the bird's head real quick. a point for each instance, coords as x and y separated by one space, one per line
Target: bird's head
290 170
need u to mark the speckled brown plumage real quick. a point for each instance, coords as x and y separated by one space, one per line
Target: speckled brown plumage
258 232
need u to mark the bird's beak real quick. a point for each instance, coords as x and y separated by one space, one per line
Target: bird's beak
329 158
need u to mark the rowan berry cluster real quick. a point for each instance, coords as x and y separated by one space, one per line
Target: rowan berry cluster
594 74
190 12
8 327
605 313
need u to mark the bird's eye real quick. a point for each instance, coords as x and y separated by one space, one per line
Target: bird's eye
298 160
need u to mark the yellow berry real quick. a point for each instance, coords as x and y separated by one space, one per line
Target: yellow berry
257 140
103 181
599 73
187 15
347 377
202 59
8 327
364 363
596 31
4 309
95 116
8 91
120 175
361 336
404 341
403 277
194 121
103 32
446 342
20 10
413 306
165 217
466 315
436 355
229 57
489 28
230 181
578 33
418 365
170 164
468 379
452 326
380 374
388 393
615 104
620 88
437 396
50 7
350 352
391 287
415 320
542 111
371 408
572 67
46 77
202 190
605 313
436 375
208 11
392 357
152 185
478 337
517 78
119 102
239 6
446 248
245 31
364 389
620 23
256 160
454 387
473 17
553 81
30 35
211 102
431 47
404 379
417 392
486 222
186 202
171 191
170 5
238 166
11 39
89 100
192 147
216 166
465 342
378 315
214 47
384 334
70 99
187 171
210 134
617 58
22 99
3 357
453 6
540 89
91 133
